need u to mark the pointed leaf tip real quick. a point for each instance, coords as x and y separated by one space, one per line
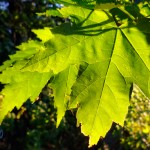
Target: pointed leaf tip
43 34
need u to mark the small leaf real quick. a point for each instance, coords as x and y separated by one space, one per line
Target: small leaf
43 34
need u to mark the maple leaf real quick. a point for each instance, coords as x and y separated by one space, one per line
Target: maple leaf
116 51
105 86
69 45
19 87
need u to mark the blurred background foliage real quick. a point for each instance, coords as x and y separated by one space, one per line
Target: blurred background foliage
33 126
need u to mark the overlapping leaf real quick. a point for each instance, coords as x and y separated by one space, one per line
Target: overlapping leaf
61 86
117 54
19 87
72 45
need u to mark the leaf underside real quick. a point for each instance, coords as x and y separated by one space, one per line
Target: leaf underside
94 63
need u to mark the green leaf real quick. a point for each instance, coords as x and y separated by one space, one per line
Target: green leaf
136 56
145 9
69 46
61 85
19 87
43 34
53 12
101 93
115 49
105 86
27 50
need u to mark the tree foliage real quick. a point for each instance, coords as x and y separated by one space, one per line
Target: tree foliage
92 60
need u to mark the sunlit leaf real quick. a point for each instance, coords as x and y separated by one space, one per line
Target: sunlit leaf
116 50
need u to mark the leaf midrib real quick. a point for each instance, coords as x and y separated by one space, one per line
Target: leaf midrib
104 83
